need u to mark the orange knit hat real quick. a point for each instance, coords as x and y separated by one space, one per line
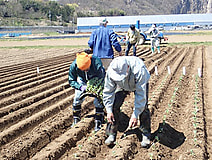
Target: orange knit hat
83 61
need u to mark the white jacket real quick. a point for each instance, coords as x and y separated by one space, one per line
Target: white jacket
136 81
154 32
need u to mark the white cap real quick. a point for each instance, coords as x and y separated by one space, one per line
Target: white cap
118 69
103 21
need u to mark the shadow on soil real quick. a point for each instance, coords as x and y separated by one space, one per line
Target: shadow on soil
168 136
165 134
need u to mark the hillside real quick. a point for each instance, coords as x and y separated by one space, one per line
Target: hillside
65 12
141 7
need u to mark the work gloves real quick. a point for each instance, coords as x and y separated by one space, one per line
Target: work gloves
83 88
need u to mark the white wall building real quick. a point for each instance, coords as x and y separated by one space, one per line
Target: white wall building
122 23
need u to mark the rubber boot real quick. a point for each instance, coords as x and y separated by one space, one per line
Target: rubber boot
153 50
99 119
111 129
158 49
145 128
75 121
110 140
76 114
145 140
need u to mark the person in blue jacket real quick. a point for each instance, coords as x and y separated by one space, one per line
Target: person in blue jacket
102 41
82 69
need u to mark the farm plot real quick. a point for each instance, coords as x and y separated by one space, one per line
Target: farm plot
36 113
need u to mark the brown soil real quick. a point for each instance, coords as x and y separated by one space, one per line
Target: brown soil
36 114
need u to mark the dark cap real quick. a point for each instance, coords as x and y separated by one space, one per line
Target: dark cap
132 26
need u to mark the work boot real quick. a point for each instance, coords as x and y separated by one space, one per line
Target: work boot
153 50
99 119
98 125
76 120
110 140
76 114
145 140
145 127
158 49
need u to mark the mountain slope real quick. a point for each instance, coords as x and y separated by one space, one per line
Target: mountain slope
141 7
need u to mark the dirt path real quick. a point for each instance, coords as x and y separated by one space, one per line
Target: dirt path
16 56
44 42
189 38
84 41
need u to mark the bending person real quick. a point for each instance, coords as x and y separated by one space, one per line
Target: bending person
84 68
127 73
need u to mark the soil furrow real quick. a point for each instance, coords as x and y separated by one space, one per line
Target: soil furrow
182 108
58 147
31 77
29 123
32 70
43 63
36 110
14 99
47 133
159 90
207 96
153 57
145 51
31 85
162 67
176 111
32 106
28 97
157 62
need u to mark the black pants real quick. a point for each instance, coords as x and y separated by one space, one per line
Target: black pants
128 49
144 117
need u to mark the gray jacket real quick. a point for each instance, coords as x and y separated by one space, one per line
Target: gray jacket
135 81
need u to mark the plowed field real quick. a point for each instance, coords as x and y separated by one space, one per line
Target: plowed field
36 108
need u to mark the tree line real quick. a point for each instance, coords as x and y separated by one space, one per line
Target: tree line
20 10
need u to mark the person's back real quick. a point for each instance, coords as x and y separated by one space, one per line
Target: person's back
128 73
102 41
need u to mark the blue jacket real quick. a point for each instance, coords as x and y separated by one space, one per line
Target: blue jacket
101 41
96 70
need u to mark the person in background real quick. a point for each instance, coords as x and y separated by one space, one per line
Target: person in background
154 32
102 41
132 38
82 69
127 73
